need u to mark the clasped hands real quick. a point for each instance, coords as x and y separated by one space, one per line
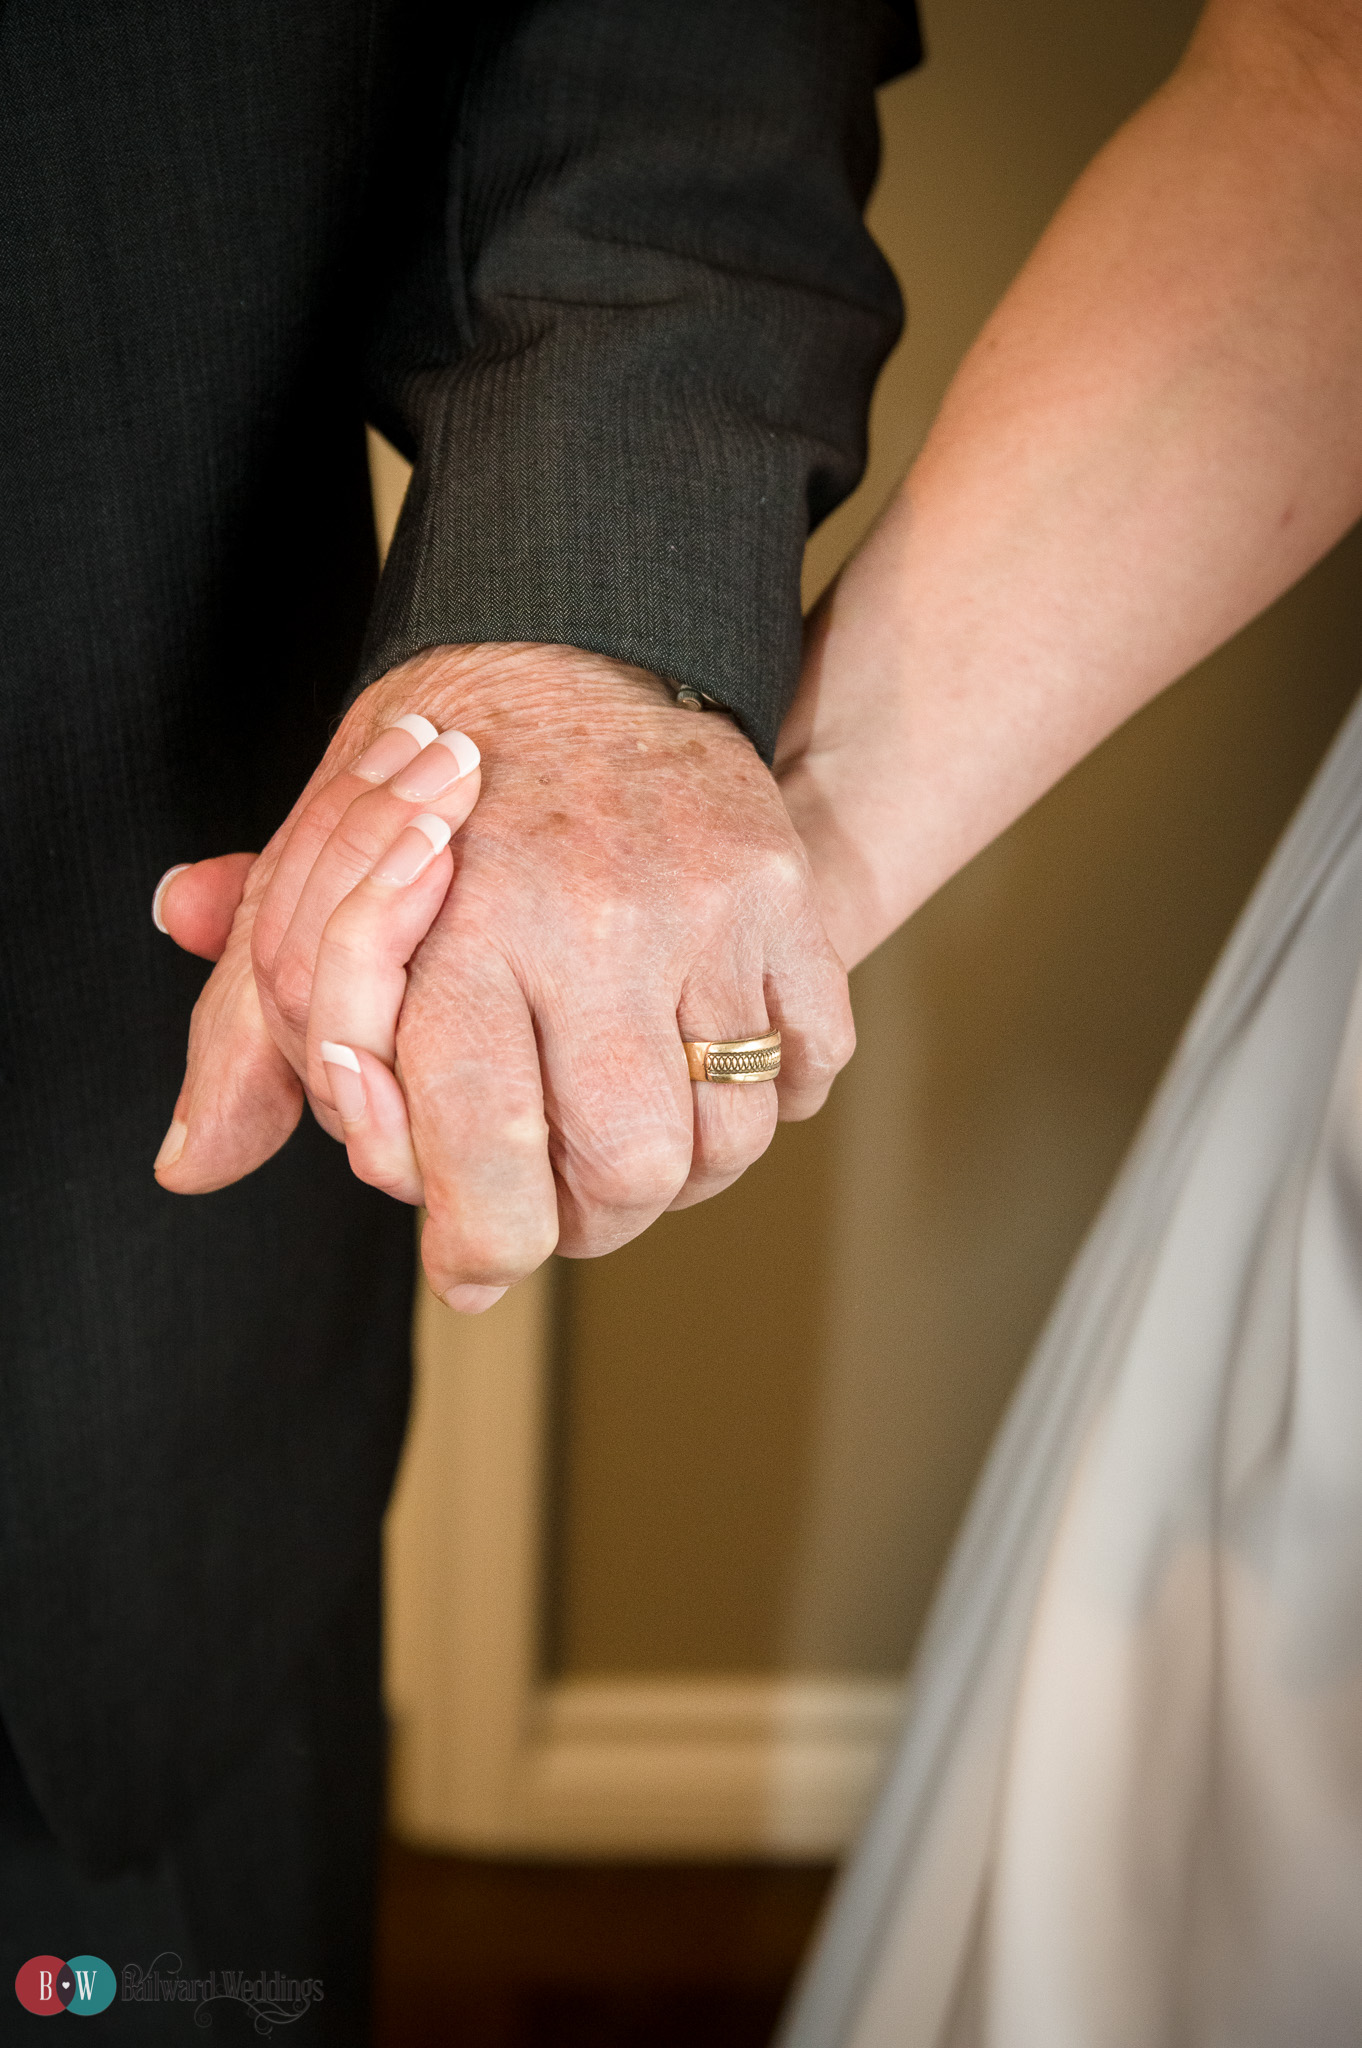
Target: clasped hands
621 875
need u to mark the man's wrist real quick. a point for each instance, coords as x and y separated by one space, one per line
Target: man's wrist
526 685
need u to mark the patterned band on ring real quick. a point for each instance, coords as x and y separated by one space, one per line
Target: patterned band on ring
733 1059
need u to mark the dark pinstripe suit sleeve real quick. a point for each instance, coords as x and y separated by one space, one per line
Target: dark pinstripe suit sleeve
636 368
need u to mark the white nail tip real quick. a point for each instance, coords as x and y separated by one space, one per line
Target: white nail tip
435 829
421 729
463 749
338 1056
161 887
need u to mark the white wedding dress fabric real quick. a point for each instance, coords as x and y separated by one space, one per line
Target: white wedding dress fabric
1126 1809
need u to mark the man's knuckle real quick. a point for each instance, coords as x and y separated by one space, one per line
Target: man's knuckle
632 1172
841 1044
724 1161
496 1254
782 871
730 1155
612 921
820 1066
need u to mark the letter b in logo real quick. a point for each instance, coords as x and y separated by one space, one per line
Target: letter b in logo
35 1987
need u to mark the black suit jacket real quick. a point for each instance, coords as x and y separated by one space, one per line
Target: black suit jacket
598 266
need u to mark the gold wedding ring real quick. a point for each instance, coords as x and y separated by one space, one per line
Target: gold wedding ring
733 1059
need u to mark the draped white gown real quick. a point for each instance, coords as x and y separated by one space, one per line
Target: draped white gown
1126 1811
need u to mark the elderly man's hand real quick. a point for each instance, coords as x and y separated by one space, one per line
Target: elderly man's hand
628 879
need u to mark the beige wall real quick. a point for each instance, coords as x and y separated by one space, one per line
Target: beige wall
771 1408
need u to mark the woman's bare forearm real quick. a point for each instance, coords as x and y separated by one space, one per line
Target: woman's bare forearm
1158 431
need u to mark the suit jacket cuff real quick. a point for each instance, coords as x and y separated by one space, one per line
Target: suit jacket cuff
561 496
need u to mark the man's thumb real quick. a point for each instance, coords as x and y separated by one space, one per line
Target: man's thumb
195 904
241 1099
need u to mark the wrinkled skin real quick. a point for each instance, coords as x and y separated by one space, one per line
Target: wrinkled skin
629 877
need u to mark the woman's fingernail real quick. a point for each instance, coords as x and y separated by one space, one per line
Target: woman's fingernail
161 887
345 1080
397 744
447 759
471 1301
171 1146
412 852
421 729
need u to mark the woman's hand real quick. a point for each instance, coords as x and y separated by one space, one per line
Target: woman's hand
359 961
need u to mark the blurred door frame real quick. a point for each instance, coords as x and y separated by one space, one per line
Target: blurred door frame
492 1754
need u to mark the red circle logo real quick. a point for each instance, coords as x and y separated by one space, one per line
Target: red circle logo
39 1986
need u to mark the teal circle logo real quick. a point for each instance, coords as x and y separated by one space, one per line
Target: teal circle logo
95 1985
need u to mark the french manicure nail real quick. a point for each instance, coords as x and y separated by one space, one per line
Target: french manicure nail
397 744
346 1081
171 1145
421 729
446 760
161 887
412 852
